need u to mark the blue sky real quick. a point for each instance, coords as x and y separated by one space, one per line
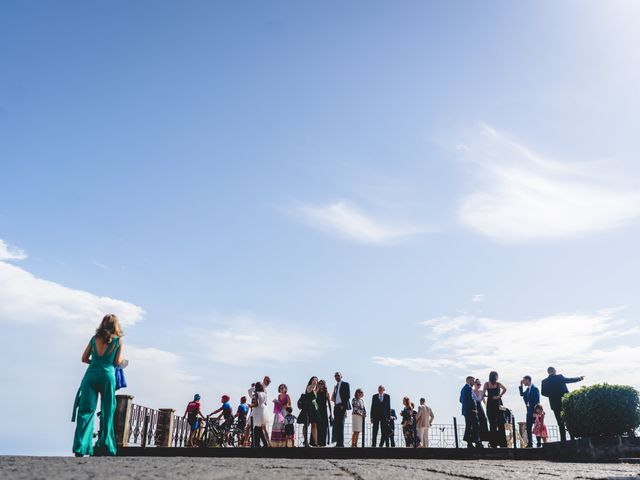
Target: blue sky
406 192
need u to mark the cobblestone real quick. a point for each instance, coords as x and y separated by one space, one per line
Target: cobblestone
20 468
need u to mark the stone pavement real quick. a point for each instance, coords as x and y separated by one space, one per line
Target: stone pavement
266 469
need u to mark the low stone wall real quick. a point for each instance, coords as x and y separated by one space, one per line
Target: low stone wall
603 449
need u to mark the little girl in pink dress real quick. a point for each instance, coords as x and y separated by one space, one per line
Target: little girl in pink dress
539 428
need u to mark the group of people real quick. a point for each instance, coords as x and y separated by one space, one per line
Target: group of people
490 426
321 413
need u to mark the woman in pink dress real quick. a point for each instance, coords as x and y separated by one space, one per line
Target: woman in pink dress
280 404
539 428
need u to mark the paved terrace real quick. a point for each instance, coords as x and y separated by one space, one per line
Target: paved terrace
98 468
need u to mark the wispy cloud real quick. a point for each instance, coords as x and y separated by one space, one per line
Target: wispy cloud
100 265
523 196
27 299
59 321
418 364
248 340
342 219
8 253
477 298
601 345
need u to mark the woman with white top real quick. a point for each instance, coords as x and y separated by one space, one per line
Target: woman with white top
259 415
358 413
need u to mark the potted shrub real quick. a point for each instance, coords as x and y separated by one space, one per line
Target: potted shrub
602 411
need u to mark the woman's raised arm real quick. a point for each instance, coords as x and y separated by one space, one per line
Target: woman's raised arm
118 359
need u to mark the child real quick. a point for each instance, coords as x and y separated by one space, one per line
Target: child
290 428
539 428
241 414
193 415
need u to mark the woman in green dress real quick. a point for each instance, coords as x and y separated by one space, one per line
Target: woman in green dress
103 353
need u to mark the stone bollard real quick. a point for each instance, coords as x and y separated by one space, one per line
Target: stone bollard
522 431
122 419
164 429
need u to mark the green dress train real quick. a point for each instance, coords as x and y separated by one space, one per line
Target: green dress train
99 378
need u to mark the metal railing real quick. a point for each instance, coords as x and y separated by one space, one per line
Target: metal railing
143 431
143 424
181 430
441 435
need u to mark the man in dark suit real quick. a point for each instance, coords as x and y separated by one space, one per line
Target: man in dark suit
341 398
380 413
531 397
470 413
554 387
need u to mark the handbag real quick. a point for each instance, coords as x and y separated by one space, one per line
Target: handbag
120 380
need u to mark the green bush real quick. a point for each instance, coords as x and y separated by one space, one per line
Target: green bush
602 410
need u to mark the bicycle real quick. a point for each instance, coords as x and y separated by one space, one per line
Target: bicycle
213 435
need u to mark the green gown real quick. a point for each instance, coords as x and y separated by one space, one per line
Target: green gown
100 377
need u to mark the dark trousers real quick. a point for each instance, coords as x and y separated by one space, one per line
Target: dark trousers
339 413
497 434
563 430
471 428
379 423
387 435
530 421
323 430
258 437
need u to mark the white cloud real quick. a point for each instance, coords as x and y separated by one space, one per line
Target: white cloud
601 345
100 265
26 299
585 343
477 298
249 341
46 327
418 364
7 253
158 378
346 221
523 196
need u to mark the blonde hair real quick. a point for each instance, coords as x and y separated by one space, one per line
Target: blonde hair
109 328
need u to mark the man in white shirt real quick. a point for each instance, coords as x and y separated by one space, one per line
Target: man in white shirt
341 399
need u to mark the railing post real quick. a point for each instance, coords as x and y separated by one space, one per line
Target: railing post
364 429
164 430
455 431
514 433
122 419
145 428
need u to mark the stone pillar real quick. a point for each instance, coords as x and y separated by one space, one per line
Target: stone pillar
122 419
522 430
164 429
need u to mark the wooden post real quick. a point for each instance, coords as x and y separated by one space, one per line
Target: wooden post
122 419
